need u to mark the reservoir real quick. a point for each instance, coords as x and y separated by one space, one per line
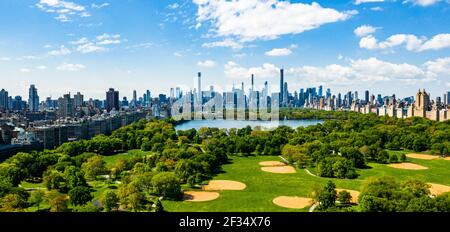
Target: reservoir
228 124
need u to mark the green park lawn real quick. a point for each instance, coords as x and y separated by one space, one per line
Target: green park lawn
263 187
111 160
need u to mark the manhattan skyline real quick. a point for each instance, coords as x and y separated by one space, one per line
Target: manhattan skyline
89 46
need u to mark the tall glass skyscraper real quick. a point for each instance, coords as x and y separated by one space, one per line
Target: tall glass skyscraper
33 99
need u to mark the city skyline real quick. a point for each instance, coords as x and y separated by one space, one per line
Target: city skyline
89 46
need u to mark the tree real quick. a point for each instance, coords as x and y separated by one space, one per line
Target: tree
74 177
110 201
166 184
13 202
328 195
57 201
393 158
158 207
344 197
402 158
94 167
36 198
54 180
80 195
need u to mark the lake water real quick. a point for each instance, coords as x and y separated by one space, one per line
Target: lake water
228 124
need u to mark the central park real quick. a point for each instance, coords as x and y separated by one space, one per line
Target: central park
349 163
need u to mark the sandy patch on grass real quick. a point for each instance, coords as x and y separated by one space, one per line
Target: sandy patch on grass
292 202
408 166
272 163
422 156
219 185
193 196
353 193
438 189
280 169
447 158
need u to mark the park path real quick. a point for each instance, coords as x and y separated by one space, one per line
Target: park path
313 207
310 173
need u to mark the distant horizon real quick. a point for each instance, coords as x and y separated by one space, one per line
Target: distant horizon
91 45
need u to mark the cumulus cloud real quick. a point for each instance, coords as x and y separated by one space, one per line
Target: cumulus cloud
41 67
356 72
70 67
423 3
364 30
357 2
62 9
235 71
225 43
93 5
246 20
279 52
99 44
409 41
62 51
206 64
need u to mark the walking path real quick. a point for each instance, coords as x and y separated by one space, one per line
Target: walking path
313 207
310 173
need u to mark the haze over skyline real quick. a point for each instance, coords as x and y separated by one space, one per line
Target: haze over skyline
89 46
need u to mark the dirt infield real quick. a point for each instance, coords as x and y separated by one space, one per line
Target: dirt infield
408 166
219 185
353 193
194 196
447 158
422 156
292 202
438 189
280 169
272 163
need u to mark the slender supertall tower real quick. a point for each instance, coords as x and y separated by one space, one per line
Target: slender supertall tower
199 90
253 82
281 87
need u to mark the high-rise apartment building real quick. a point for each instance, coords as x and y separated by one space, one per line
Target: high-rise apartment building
78 100
33 99
112 100
4 102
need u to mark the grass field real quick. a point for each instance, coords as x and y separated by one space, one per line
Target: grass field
263 187
110 160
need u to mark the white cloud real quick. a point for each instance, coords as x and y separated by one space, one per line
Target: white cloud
63 9
99 6
62 51
177 54
24 70
423 3
70 67
252 20
225 43
357 2
5 59
377 8
411 42
357 72
174 6
279 52
234 71
206 64
90 48
41 67
364 30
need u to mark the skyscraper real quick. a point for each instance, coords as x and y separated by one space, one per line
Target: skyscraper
320 91
281 86
78 100
199 90
33 99
366 99
112 100
66 106
4 100
448 98
134 98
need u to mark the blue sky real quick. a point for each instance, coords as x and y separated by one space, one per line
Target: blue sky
88 46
